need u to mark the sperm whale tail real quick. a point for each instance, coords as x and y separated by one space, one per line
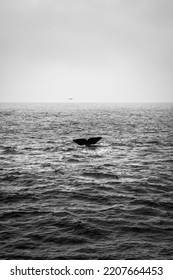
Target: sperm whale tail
90 141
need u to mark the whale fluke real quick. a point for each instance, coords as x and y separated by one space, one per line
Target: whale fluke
90 141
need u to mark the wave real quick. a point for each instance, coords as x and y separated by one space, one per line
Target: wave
10 150
97 175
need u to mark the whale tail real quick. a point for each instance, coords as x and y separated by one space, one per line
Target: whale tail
90 141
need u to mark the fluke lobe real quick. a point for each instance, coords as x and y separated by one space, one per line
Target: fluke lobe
90 141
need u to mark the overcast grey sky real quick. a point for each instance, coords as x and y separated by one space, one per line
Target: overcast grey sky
90 50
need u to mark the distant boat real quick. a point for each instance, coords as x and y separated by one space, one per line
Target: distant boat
87 142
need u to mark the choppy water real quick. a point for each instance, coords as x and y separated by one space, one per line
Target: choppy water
59 200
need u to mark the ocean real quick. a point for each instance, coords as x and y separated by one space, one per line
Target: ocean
59 200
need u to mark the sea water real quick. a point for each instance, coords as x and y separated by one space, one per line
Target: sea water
59 200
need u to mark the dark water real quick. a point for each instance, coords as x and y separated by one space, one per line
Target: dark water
59 200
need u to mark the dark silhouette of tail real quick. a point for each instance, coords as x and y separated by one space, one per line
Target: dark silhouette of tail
90 141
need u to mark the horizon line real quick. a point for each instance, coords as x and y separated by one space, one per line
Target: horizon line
84 102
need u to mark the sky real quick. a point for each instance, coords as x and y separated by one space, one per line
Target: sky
86 50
